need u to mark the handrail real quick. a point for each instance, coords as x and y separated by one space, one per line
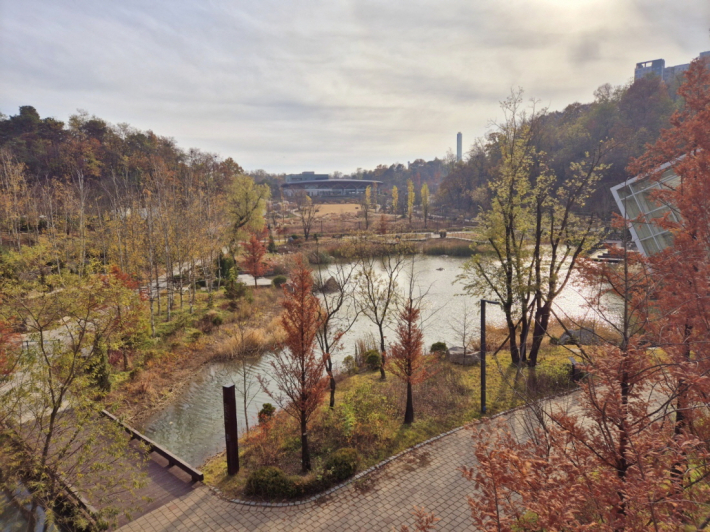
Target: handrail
173 460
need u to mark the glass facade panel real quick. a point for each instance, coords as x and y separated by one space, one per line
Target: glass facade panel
632 210
650 246
642 230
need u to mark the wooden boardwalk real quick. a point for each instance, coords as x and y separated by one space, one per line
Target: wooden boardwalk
163 485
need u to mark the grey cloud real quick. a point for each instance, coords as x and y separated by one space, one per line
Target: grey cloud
326 85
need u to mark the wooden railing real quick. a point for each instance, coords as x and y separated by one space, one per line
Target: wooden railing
173 460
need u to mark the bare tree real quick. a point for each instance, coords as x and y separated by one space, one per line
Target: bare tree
243 349
338 311
306 213
464 325
377 288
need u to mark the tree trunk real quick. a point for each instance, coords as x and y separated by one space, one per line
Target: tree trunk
409 411
383 375
542 320
514 352
332 390
305 452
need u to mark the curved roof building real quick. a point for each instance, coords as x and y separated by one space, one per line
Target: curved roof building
323 186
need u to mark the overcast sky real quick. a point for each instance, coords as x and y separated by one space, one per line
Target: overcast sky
327 85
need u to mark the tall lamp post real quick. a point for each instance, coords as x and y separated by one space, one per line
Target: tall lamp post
483 352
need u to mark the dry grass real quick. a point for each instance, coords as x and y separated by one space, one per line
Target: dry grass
337 209
240 340
160 372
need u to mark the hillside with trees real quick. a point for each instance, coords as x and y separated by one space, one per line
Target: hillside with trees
626 118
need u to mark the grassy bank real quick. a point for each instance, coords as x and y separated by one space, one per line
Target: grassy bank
165 364
369 413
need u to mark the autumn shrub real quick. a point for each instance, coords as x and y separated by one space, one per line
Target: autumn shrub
373 359
263 444
266 412
342 464
349 365
279 269
270 483
318 257
210 320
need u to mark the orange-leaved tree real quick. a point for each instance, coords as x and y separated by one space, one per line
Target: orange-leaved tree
684 267
254 250
610 458
406 360
298 371
635 454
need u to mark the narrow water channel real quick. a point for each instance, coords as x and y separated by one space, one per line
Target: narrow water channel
192 427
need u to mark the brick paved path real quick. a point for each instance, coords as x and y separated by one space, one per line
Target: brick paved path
426 477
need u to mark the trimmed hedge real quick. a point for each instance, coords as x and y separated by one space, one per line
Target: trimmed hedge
279 281
271 483
342 464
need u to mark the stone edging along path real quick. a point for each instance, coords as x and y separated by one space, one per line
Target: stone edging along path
381 464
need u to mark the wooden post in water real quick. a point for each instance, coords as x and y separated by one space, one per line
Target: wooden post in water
230 429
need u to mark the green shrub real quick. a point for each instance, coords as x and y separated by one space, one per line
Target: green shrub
373 359
271 483
272 245
438 347
341 464
193 334
135 373
266 412
279 281
318 257
350 365
234 289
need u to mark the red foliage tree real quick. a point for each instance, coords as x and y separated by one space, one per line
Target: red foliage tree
406 360
614 462
684 268
298 372
253 262
635 455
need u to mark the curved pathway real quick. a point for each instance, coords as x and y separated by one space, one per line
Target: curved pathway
383 500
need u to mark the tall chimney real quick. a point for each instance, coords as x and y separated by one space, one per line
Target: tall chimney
459 146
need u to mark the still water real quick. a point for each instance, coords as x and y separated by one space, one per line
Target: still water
13 520
192 427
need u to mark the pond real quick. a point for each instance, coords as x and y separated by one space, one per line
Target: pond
13 520
192 427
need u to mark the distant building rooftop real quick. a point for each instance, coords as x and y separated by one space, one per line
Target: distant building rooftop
658 68
323 185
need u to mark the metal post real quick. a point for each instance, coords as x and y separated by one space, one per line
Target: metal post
230 429
483 356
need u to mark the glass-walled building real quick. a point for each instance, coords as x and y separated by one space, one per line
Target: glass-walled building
634 197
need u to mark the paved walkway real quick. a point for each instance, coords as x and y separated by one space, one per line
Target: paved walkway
427 477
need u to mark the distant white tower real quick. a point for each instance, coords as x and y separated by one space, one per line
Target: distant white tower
459 146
